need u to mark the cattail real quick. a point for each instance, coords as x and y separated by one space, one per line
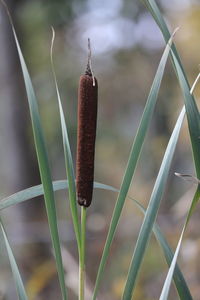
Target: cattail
87 119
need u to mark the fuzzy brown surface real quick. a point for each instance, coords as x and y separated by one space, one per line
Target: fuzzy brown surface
86 135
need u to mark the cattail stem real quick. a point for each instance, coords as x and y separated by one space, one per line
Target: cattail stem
82 256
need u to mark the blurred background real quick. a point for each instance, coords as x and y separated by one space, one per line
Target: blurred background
126 48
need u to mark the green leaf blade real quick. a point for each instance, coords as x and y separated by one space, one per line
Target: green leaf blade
15 271
151 212
68 157
168 280
193 116
190 104
44 168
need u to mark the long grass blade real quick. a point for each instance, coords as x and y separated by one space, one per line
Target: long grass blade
133 159
42 162
152 210
166 286
36 191
168 280
190 104
21 293
68 156
193 124
179 280
193 116
30 193
167 283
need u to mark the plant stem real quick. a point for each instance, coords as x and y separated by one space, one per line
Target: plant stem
82 255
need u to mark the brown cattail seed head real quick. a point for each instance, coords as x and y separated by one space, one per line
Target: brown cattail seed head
87 120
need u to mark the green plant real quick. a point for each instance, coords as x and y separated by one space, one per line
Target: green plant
48 187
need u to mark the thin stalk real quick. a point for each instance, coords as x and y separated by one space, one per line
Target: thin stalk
82 255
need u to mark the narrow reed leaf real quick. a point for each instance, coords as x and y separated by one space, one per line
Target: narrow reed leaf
193 116
21 293
179 280
168 280
153 206
86 134
42 162
133 159
30 193
190 104
166 287
68 156
194 127
36 191
152 210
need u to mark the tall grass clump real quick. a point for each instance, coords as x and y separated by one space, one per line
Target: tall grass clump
80 189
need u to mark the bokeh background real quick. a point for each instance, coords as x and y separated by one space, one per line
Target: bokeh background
126 48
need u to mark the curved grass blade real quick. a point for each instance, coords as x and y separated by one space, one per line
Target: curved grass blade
190 104
193 124
68 156
131 166
166 286
167 283
21 293
179 280
36 191
152 210
168 280
42 162
193 116
30 193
